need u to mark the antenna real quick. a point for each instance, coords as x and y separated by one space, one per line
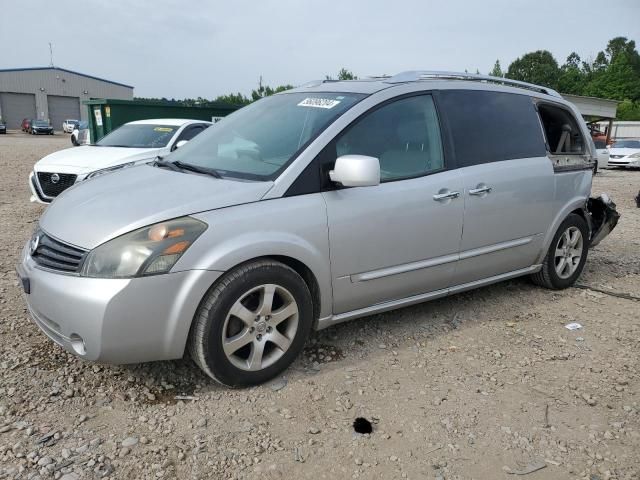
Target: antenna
50 55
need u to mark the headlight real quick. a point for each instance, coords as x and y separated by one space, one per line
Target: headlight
148 251
635 155
109 170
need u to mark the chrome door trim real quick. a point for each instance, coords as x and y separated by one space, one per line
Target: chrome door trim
495 247
407 267
405 302
433 262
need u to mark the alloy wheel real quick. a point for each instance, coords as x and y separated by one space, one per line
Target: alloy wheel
260 327
568 252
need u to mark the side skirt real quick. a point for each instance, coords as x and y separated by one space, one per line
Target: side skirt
423 297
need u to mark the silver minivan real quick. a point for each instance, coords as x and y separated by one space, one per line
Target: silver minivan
332 201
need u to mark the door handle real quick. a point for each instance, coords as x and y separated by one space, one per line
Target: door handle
446 195
480 190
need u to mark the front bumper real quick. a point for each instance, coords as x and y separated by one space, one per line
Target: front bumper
624 162
115 320
36 192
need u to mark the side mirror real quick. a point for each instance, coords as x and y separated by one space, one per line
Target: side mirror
356 171
181 143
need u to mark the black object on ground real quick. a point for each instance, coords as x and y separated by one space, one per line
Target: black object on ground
362 425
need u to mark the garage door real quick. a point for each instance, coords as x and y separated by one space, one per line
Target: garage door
61 108
16 106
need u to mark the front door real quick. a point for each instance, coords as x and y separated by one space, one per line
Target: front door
399 238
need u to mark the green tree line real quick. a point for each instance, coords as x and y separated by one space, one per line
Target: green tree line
614 74
239 99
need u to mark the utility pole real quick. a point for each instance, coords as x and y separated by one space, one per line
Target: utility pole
50 55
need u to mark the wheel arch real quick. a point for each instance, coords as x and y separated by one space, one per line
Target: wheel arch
576 205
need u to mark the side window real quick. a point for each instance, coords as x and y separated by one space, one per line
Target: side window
562 131
404 135
190 132
491 126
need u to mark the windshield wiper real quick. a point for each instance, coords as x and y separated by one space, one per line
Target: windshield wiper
180 166
196 169
170 165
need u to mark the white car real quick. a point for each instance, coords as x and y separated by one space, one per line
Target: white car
68 125
625 153
603 155
131 144
81 134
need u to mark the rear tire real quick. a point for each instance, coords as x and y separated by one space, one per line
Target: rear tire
567 255
252 324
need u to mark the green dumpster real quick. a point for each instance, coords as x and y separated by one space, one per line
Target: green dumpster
105 115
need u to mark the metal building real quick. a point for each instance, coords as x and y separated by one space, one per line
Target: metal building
52 93
595 111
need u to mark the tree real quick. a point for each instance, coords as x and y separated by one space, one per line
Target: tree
497 70
265 91
628 110
343 74
537 67
233 99
572 78
615 73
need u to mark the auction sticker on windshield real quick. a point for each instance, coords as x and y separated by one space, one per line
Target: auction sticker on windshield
163 129
319 102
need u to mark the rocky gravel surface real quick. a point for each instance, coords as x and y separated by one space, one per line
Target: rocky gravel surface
486 384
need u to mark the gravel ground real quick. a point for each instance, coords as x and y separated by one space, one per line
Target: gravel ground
471 386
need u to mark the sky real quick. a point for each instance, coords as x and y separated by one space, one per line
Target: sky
205 48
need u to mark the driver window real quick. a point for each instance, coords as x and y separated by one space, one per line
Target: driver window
191 132
403 135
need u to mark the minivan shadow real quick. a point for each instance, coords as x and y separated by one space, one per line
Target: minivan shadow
341 345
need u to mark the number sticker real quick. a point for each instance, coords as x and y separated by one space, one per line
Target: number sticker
319 102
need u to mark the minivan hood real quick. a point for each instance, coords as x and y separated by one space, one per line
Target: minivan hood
94 211
90 158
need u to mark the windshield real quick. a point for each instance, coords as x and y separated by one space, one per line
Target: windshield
72 121
626 144
139 136
258 141
41 123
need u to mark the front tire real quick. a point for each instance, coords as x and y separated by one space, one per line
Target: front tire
252 324
567 255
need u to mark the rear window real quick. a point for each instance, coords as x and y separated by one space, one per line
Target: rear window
492 126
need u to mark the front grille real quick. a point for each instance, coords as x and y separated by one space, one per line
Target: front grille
617 156
51 189
56 255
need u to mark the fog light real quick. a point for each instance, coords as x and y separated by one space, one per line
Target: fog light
77 343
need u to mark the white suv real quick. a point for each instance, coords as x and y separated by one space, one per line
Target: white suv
68 125
131 144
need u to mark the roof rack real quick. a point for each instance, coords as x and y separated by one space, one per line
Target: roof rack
417 75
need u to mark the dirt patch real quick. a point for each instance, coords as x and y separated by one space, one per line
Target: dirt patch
462 387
